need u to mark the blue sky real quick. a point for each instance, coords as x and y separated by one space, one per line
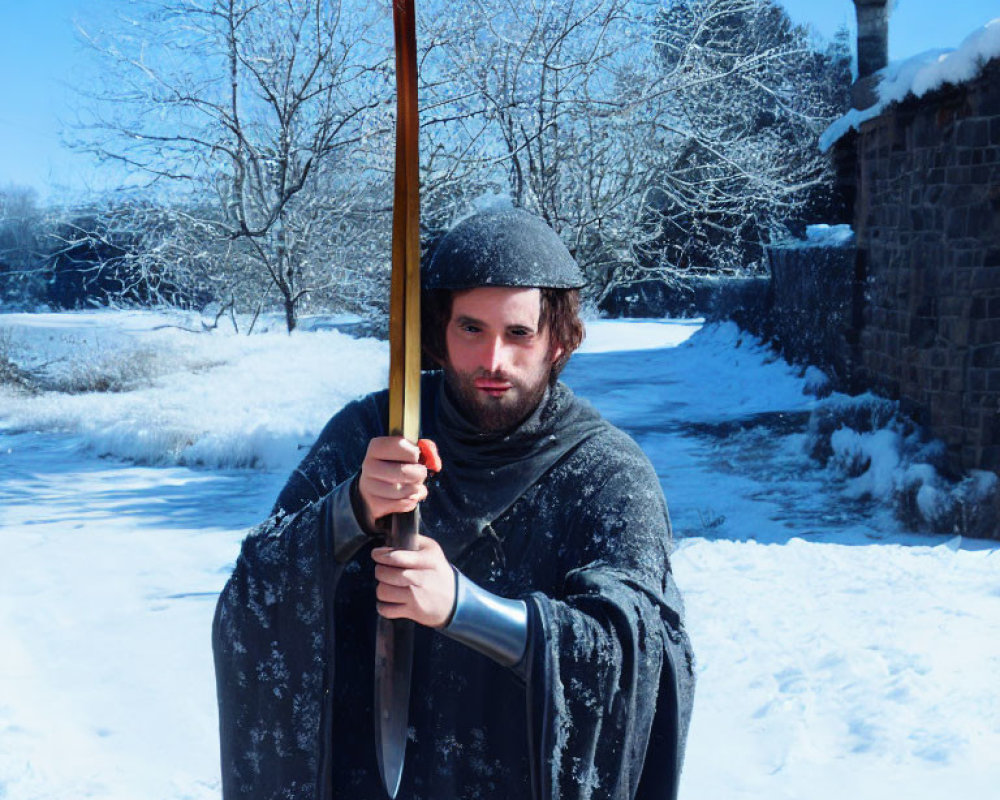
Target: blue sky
38 51
39 54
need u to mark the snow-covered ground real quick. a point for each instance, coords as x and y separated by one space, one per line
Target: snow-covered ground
838 656
218 400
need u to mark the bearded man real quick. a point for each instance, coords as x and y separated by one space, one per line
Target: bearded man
550 658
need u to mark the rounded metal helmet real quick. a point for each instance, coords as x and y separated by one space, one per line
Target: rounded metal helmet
506 247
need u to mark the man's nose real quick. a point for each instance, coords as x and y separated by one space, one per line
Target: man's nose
495 357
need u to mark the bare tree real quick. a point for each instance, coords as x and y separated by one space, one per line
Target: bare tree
657 139
528 85
236 112
645 134
750 96
23 241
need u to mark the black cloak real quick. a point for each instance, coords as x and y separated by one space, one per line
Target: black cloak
606 706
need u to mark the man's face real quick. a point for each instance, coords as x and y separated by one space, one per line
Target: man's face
498 360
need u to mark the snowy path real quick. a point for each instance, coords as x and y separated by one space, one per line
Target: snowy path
838 656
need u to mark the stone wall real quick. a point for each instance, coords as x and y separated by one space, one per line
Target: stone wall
746 301
814 309
927 222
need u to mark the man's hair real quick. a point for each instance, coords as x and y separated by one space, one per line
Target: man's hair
559 314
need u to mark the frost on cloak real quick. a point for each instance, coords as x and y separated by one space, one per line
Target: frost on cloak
616 657
269 714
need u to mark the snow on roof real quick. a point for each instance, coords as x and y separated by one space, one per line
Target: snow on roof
821 235
921 74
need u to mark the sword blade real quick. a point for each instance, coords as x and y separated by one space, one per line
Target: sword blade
393 664
394 638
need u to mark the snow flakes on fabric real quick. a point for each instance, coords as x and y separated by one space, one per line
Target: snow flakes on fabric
610 678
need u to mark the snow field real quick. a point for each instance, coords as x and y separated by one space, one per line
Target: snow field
838 655
212 399
831 671
109 576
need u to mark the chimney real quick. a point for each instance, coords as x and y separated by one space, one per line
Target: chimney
873 49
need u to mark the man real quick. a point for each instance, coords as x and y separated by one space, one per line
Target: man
550 657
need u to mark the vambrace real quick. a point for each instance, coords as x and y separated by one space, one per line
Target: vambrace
494 626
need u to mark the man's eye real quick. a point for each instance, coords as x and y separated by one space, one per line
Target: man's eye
520 332
470 328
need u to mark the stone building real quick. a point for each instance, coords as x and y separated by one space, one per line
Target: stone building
918 160
925 186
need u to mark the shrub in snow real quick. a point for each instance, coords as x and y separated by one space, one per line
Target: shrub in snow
978 508
880 454
169 396
818 383
968 507
67 360
922 496
869 460
862 414
117 370
11 373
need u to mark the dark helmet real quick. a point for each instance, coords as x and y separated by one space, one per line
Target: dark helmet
506 247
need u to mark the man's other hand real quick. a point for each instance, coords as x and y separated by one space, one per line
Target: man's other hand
415 584
392 479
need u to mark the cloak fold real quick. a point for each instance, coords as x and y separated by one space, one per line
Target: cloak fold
603 696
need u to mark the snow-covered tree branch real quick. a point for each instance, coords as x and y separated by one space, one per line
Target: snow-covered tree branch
658 138
246 107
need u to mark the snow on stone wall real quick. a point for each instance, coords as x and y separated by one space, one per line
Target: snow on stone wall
923 73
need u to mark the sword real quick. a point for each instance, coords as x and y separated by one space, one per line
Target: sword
394 638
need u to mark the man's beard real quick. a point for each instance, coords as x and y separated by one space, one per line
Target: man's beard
494 414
